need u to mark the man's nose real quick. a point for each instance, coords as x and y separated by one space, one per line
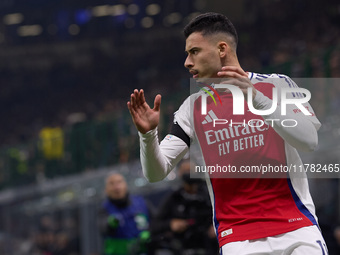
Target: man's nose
188 62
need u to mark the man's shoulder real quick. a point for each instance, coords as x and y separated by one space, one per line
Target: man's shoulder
278 80
260 77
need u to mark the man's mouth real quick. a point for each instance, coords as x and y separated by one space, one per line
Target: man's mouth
194 74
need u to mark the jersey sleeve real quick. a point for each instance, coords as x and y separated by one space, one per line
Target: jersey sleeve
286 82
158 159
303 135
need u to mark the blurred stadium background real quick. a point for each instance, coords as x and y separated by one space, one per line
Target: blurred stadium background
66 72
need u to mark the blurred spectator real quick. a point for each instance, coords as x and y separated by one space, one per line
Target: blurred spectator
124 221
184 222
80 83
52 142
50 240
80 92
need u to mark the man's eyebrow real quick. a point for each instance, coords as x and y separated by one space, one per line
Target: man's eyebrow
190 50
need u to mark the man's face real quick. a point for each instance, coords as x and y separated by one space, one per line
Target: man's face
116 187
203 60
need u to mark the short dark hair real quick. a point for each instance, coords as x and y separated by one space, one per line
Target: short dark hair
211 23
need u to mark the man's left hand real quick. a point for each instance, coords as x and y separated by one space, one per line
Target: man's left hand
238 77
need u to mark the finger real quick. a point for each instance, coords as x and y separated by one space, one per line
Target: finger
132 106
131 110
133 113
132 100
240 82
233 68
229 74
136 93
237 69
157 102
128 104
243 84
141 97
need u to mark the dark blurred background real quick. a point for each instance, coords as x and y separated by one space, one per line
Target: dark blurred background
67 69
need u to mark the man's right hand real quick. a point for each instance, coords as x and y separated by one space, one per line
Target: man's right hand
144 118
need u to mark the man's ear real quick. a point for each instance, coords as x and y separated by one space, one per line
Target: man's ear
222 48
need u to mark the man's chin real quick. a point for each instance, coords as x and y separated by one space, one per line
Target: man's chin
200 79
204 80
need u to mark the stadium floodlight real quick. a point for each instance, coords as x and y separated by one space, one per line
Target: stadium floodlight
73 29
153 9
133 9
172 19
29 30
117 10
147 22
13 18
101 10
